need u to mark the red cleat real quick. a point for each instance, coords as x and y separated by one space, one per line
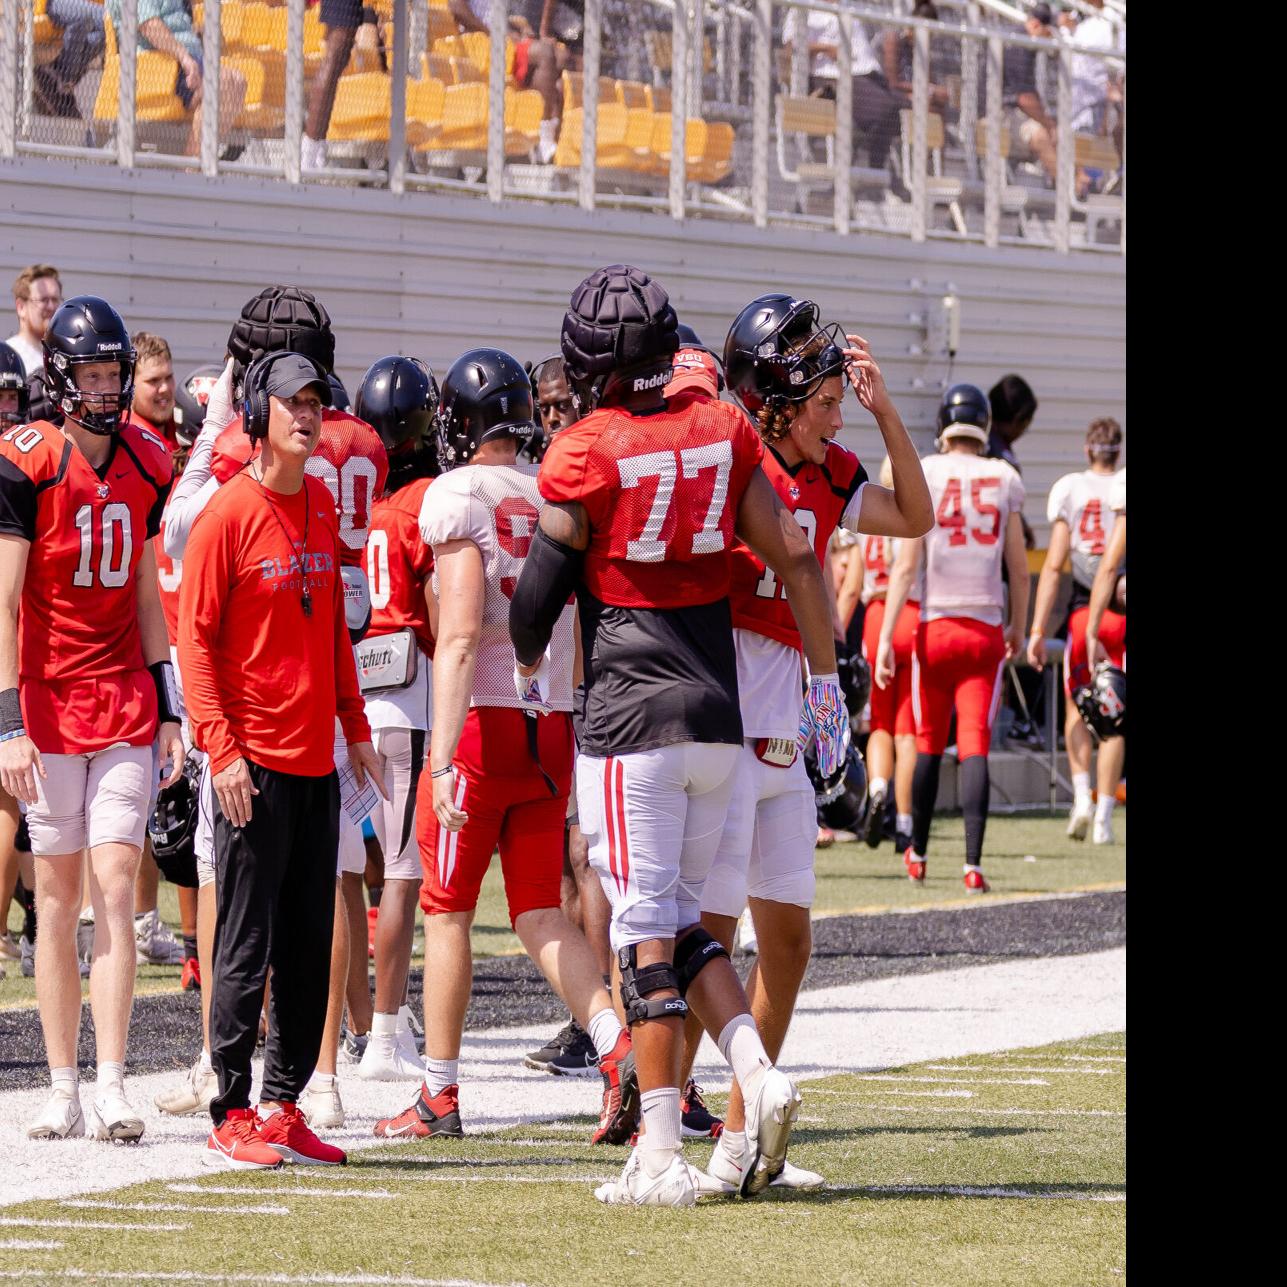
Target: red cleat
236 1144
426 1117
285 1131
826 838
191 980
915 866
372 917
620 1115
974 882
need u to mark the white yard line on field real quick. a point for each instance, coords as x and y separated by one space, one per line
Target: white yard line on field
854 1028
193 1276
88 1204
969 1191
28 1244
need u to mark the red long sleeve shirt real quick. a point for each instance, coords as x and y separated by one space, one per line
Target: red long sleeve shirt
261 678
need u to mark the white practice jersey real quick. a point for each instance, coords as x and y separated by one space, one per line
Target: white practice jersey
974 497
878 554
1082 501
770 685
497 507
1117 497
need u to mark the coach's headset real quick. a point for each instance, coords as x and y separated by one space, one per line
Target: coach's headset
256 408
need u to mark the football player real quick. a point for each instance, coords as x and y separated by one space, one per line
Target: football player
790 375
398 398
15 401
1077 511
86 680
891 747
961 642
644 499
500 761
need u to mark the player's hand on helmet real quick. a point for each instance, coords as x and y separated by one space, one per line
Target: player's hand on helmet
19 764
824 717
1037 651
865 376
366 764
170 740
532 684
444 803
883 671
233 789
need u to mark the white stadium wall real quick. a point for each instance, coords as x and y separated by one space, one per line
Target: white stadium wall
432 275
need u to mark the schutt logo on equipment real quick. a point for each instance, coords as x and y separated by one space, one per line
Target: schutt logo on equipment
652 381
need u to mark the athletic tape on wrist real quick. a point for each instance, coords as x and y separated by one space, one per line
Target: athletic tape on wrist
167 693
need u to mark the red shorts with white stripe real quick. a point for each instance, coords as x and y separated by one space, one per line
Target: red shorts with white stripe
1112 634
958 662
891 707
510 805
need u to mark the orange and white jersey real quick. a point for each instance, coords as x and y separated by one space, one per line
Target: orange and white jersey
1083 501
973 497
497 507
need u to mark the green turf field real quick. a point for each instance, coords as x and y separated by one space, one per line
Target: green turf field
1025 854
999 1169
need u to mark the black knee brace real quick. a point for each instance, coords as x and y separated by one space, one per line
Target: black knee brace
639 984
693 953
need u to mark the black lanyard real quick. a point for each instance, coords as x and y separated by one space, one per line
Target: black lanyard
306 596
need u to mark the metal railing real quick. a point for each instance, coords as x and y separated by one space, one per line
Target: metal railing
738 145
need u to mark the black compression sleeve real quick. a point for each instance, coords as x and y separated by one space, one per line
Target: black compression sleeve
549 577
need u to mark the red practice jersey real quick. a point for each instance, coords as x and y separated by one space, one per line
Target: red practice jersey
818 496
80 655
398 562
350 459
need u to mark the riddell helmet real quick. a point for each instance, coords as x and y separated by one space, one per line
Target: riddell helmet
964 413
855 680
85 330
13 376
485 395
191 396
281 317
1102 702
398 398
339 394
776 354
842 799
172 827
619 333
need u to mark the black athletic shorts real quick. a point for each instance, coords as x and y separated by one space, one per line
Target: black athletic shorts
341 13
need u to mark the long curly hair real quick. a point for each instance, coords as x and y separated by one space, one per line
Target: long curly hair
773 420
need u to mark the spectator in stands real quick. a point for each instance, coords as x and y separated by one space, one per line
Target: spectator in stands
875 104
896 48
166 26
341 18
1029 120
54 85
1096 84
37 295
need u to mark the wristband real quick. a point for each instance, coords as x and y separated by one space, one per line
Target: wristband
10 712
440 773
9 736
167 693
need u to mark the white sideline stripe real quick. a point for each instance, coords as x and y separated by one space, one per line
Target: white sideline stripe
987 1112
1116 1059
192 1276
294 1191
27 1244
85 1204
32 1222
1087 1072
950 1081
970 1191
926 1094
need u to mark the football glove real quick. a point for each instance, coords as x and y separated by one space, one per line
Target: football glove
534 689
825 716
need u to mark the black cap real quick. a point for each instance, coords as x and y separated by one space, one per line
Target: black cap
1041 12
293 372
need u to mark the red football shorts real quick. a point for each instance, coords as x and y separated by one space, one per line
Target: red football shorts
1112 634
522 61
958 662
891 707
502 789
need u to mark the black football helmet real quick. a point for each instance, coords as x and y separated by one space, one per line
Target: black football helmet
964 413
191 396
1102 703
339 394
398 398
855 679
13 376
84 330
280 318
842 799
172 827
776 354
619 333
485 395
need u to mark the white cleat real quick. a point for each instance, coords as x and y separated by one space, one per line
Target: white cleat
1103 833
385 1059
411 1034
674 1187
724 1175
1079 820
770 1115
112 1118
746 938
322 1107
60 1119
199 1087
154 941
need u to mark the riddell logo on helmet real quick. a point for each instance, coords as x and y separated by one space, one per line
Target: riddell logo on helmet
652 381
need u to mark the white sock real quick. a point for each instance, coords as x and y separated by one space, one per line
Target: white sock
661 1128
733 1143
605 1030
441 1073
742 1048
1081 788
111 1074
1104 808
903 824
322 1081
879 784
64 1081
204 1062
384 1025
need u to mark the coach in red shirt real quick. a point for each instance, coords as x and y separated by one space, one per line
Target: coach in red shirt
268 666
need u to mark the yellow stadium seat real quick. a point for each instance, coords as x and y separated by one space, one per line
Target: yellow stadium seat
264 109
363 103
425 99
523 110
611 151
156 78
437 67
708 150
464 120
466 73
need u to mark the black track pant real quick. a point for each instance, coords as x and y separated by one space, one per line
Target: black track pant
275 883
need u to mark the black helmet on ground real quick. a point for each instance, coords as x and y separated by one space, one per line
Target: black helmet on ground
281 318
1102 703
485 395
191 397
776 354
964 413
619 335
87 330
842 799
855 679
13 378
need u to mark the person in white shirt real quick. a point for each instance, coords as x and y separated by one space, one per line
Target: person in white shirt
875 104
37 295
